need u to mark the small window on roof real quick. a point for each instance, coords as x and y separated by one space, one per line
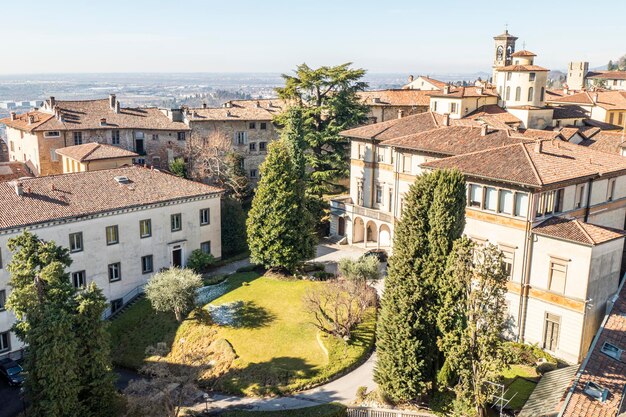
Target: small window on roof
596 391
611 350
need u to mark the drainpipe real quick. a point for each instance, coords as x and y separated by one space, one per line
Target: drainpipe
587 208
528 254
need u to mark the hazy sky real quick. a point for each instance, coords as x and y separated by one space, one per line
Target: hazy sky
400 36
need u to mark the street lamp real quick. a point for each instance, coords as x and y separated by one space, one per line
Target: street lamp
206 401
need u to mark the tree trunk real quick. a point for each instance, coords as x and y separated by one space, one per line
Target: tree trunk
179 317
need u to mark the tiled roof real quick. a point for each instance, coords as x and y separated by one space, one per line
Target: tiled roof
434 82
453 140
568 132
80 194
539 134
601 369
523 52
13 170
609 100
524 163
548 393
522 68
569 112
493 111
463 92
577 231
607 75
95 151
274 105
609 142
396 97
230 113
87 114
553 94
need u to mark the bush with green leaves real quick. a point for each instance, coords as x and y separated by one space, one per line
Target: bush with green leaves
364 269
174 290
234 234
200 261
178 167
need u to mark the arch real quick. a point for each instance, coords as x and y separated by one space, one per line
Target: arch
358 230
508 93
384 235
371 232
341 226
518 93
531 93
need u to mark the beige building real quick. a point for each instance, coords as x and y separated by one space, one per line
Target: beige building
459 102
577 75
602 106
423 83
386 105
94 156
121 226
35 136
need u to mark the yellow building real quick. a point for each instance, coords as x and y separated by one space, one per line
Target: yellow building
93 157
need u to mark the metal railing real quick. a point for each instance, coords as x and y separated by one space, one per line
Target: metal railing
380 412
128 297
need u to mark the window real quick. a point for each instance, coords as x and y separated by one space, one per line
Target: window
3 299
610 192
551 332
518 93
508 92
262 146
176 222
146 264
380 155
475 195
253 173
521 204
112 235
531 76
205 216
251 125
491 198
78 138
155 136
263 126
252 146
543 92
241 138
506 202
611 350
558 200
115 137
139 135
595 391
435 106
406 163
558 273
531 94
580 193
361 151
379 194
453 107
180 136
5 341
117 304
52 134
12 146
79 279
115 272
53 155
205 247
145 228
507 263
76 242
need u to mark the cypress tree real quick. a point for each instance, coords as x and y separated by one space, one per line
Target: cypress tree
280 228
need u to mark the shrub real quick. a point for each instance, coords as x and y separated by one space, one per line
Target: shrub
214 279
361 393
323 275
234 235
544 367
247 268
174 290
178 167
366 268
313 266
200 261
524 354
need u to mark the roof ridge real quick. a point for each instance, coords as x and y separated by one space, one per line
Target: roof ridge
532 164
582 228
91 151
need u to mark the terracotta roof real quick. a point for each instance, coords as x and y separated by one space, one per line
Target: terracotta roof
13 170
453 140
522 68
523 52
434 82
577 231
273 105
521 163
609 100
405 97
601 369
569 112
607 75
505 35
603 141
87 114
95 151
568 132
539 134
462 92
493 112
553 94
230 113
74 195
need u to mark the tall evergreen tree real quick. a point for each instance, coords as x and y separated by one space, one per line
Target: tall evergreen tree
280 228
327 100
233 220
96 378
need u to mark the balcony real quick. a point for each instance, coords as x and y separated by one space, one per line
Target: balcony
344 204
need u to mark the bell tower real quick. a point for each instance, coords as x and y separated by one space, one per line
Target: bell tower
504 48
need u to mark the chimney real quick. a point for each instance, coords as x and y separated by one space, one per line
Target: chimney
479 91
270 105
538 146
13 115
595 98
19 188
117 107
112 101
484 129
103 122
258 104
52 187
31 119
204 105
227 104
227 113
446 119
400 114
376 100
446 89
410 78
53 102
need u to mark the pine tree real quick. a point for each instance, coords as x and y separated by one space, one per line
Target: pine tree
234 233
280 228
96 378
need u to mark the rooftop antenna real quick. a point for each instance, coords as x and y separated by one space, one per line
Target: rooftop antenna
506 28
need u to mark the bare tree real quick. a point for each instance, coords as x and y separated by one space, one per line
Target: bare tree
338 306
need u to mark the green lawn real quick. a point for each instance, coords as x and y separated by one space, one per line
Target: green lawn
520 381
326 410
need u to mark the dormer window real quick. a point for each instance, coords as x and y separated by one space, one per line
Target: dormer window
596 391
611 350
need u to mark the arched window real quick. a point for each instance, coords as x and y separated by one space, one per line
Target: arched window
543 91
518 93
531 93
508 93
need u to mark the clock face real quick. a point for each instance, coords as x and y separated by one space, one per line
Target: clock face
499 53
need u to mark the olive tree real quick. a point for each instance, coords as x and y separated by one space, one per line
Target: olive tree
174 290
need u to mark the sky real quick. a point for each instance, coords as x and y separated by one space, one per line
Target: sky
396 36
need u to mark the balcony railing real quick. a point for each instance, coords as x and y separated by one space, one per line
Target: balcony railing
343 205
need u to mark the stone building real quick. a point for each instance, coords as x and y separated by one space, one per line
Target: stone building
385 105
